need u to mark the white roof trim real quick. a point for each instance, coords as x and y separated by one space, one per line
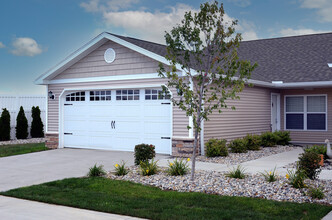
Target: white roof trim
96 42
329 64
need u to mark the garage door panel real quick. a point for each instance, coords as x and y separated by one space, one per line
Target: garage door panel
75 125
157 111
102 142
76 140
156 128
100 126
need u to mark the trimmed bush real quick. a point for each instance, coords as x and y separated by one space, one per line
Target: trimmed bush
21 125
269 139
216 148
5 125
309 162
283 137
144 152
37 126
238 146
253 142
319 149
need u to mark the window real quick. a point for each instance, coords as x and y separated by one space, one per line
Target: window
156 94
306 112
127 94
76 96
100 95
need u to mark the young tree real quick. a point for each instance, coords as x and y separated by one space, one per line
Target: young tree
21 125
37 126
5 125
205 46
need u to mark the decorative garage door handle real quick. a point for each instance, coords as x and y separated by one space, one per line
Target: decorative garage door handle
113 124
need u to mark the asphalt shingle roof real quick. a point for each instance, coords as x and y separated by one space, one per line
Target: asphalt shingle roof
288 59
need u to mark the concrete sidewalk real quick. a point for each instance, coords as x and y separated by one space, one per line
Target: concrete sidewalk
12 208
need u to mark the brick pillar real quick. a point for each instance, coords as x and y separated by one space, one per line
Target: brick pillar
183 147
51 140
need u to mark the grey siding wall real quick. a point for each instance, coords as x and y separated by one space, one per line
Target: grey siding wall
309 136
180 121
252 115
126 62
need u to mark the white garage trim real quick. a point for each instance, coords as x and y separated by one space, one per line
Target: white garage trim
74 89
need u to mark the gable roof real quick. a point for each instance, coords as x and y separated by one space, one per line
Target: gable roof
298 59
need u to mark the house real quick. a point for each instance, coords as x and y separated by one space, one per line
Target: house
105 96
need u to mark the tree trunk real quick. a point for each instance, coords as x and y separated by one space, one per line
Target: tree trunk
193 159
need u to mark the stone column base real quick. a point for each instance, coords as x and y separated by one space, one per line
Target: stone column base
51 140
183 147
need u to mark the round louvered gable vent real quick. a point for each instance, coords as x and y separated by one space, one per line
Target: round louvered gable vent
109 55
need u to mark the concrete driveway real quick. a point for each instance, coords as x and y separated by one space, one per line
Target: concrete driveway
40 167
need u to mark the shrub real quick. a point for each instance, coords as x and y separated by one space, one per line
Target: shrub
238 146
309 162
178 168
144 152
319 149
120 169
238 173
148 168
270 176
96 171
316 193
21 125
296 178
5 125
269 139
253 141
215 148
283 137
37 126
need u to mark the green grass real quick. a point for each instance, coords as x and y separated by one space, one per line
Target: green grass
132 199
11 150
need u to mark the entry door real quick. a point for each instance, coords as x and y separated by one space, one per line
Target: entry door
275 112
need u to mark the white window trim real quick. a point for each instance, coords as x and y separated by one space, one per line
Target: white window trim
305 112
278 110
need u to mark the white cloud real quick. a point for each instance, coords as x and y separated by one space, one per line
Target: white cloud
294 32
323 7
2 45
241 3
24 46
107 5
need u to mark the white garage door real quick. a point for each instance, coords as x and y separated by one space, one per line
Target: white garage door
117 119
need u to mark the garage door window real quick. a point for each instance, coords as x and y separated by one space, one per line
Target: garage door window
76 96
155 94
127 94
100 95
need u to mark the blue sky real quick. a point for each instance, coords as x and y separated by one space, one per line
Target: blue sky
37 34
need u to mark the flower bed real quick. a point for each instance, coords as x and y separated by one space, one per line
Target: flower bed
212 182
236 158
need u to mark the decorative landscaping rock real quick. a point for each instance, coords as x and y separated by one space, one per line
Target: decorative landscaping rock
236 158
327 165
212 182
23 141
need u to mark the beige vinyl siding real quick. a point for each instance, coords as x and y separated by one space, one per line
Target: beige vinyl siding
127 62
252 115
309 136
180 121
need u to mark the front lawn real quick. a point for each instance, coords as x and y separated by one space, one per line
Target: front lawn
127 198
10 150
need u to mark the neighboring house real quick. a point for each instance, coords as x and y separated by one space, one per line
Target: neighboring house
106 95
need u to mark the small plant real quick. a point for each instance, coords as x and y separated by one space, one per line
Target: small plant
144 152
120 169
316 193
238 146
269 139
149 168
270 176
296 178
37 126
283 137
5 125
309 162
238 173
319 149
215 148
21 125
178 168
96 171
253 141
